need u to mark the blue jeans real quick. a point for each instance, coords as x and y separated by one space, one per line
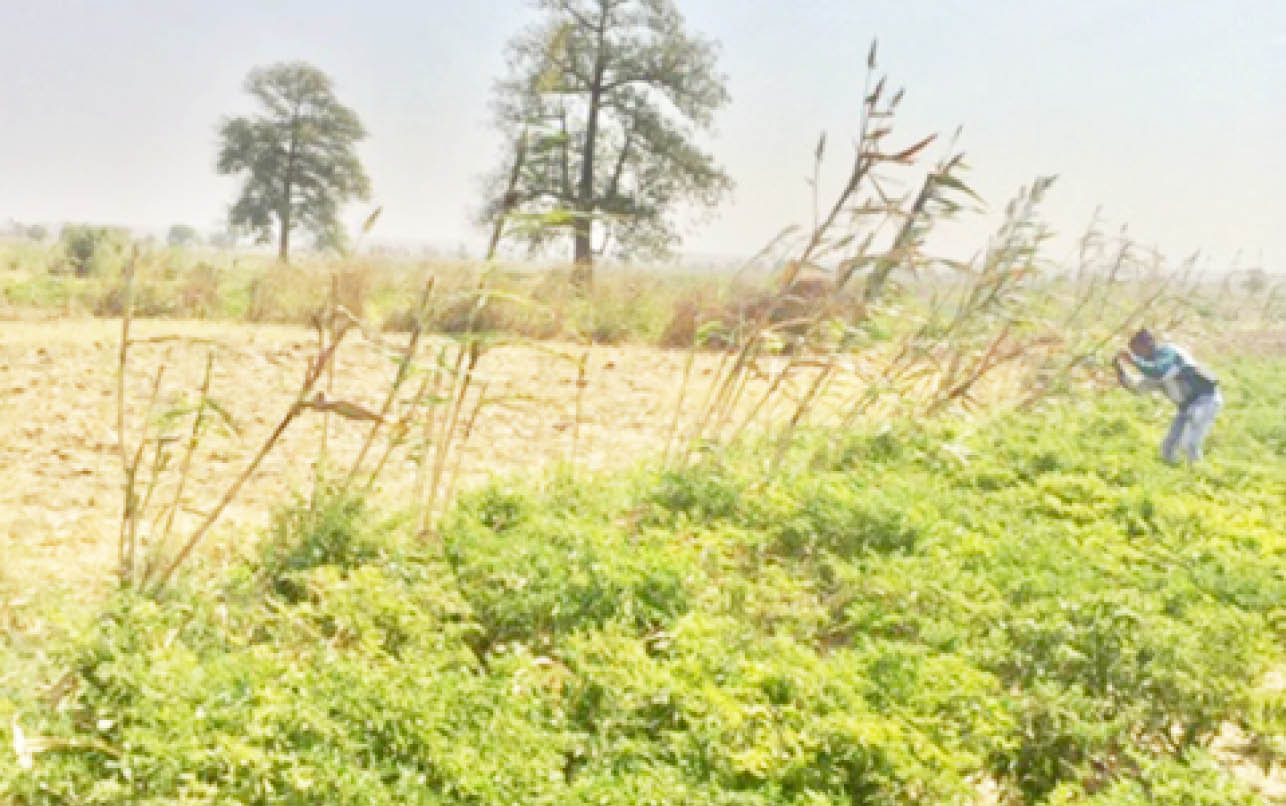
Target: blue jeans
1190 427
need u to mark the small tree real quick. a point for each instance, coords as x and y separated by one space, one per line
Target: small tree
88 249
37 232
182 235
298 157
604 99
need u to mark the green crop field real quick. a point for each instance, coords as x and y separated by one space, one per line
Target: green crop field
1027 608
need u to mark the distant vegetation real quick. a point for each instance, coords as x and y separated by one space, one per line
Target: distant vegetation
182 235
297 157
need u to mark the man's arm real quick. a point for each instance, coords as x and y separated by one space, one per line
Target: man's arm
1142 384
1164 361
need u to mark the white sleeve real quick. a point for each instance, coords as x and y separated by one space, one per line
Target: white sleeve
1136 384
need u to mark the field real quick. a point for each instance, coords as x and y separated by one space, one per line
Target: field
61 503
825 551
1027 609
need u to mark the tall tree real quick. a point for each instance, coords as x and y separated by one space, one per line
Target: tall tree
604 100
298 156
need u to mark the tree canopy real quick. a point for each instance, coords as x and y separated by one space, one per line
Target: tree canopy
297 156
604 101
182 235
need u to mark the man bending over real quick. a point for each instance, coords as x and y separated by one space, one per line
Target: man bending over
1169 368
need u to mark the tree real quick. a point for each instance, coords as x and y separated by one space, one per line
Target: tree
603 101
88 249
298 157
37 232
182 235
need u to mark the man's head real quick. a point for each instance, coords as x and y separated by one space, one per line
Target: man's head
1143 344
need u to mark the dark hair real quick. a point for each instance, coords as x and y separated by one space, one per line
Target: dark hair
1142 334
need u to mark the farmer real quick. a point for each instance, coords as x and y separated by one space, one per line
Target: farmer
1192 388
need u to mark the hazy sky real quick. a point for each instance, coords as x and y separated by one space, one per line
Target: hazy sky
1172 115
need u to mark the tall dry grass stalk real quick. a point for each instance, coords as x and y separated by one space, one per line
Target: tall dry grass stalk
122 450
404 365
185 468
948 325
314 372
325 322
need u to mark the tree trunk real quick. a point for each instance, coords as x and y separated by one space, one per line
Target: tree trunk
283 245
288 189
583 256
583 252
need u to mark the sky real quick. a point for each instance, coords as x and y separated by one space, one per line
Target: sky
1170 116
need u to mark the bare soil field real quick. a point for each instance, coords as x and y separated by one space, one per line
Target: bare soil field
61 490
61 496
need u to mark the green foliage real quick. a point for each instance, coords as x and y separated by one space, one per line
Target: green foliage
87 250
38 291
336 530
182 235
1193 780
602 101
891 618
532 576
298 157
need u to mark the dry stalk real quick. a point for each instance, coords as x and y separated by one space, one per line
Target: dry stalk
783 441
325 324
158 464
133 510
403 372
127 313
732 380
728 403
902 243
462 379
705 408
398 435
422 462
185 469
133 506
678 406
989 360
1131 318
581 384
767 395
319 365
464 440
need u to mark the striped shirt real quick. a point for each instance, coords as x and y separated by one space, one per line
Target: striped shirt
1172 370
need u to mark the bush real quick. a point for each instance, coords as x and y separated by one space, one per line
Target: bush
533 578
88 250
182 235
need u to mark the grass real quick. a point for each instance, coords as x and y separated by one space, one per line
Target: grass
1033 600
627 305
